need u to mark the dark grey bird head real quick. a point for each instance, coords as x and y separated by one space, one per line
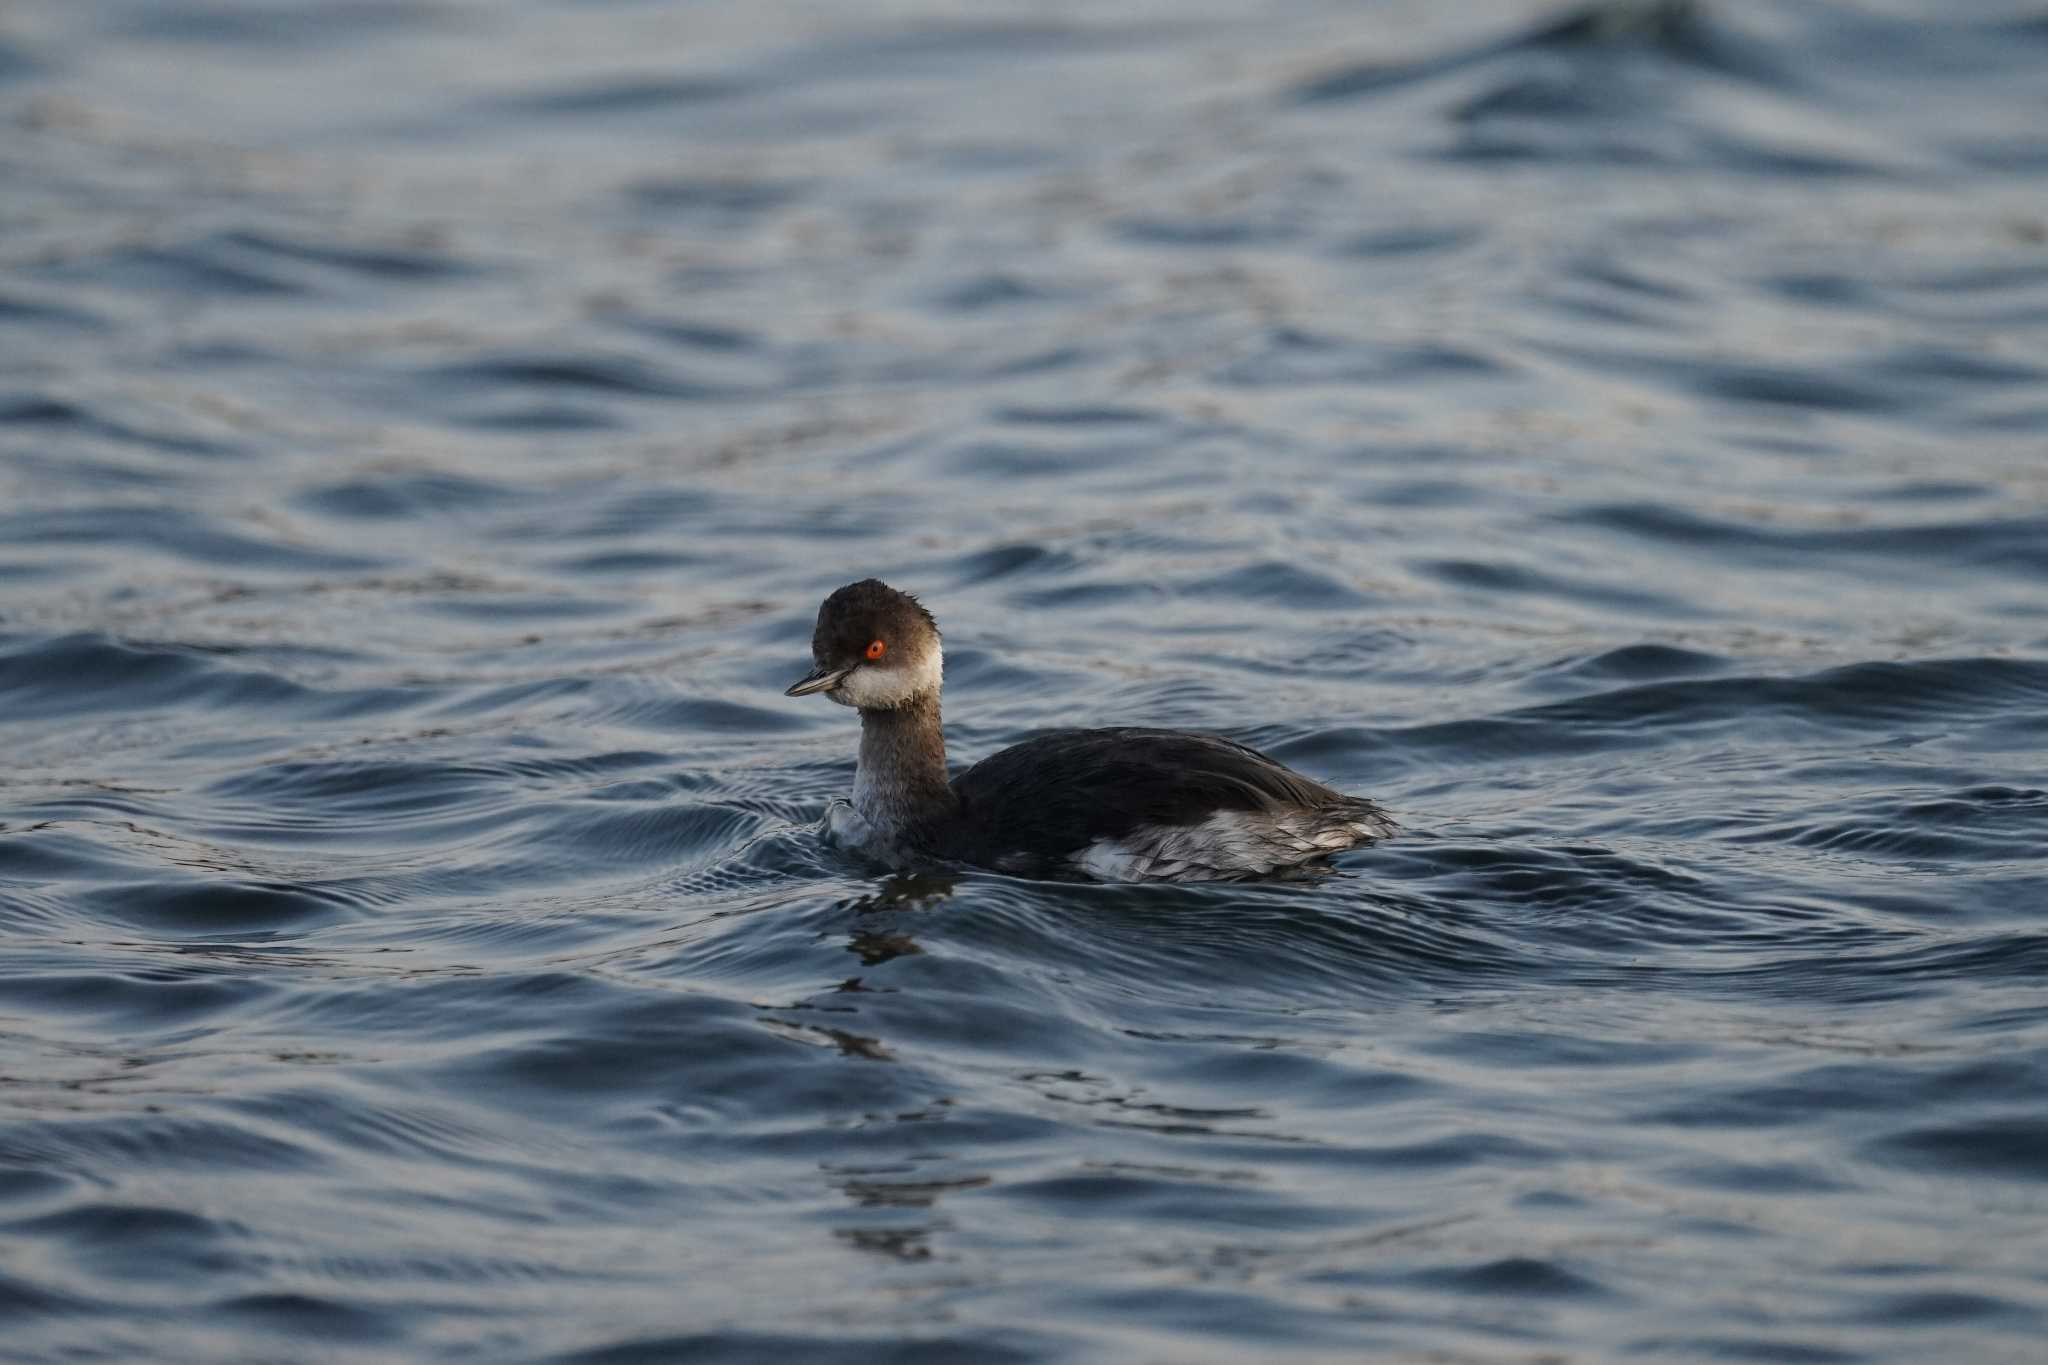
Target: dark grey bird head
873 647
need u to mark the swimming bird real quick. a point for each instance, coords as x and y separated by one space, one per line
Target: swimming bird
1121 804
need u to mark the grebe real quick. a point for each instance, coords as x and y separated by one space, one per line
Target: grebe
1120 804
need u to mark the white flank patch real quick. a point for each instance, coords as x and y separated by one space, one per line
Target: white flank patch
1230 843
1109 861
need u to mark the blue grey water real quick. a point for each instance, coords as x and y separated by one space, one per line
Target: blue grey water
1614 438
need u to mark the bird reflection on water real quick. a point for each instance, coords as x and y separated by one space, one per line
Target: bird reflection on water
875 945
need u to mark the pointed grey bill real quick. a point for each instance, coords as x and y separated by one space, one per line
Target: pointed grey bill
817 680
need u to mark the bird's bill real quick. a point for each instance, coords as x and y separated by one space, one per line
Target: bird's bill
817 680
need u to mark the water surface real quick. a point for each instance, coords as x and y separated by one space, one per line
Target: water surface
1612 438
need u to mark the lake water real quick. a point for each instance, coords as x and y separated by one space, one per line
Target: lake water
1615 439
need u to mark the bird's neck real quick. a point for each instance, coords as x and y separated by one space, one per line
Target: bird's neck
901 783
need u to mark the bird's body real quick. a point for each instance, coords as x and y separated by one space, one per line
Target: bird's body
1122 804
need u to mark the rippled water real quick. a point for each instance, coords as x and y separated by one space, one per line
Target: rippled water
1614 439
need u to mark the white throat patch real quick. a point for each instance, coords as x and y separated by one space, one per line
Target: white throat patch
875 687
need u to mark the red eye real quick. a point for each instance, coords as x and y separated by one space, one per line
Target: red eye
877 650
